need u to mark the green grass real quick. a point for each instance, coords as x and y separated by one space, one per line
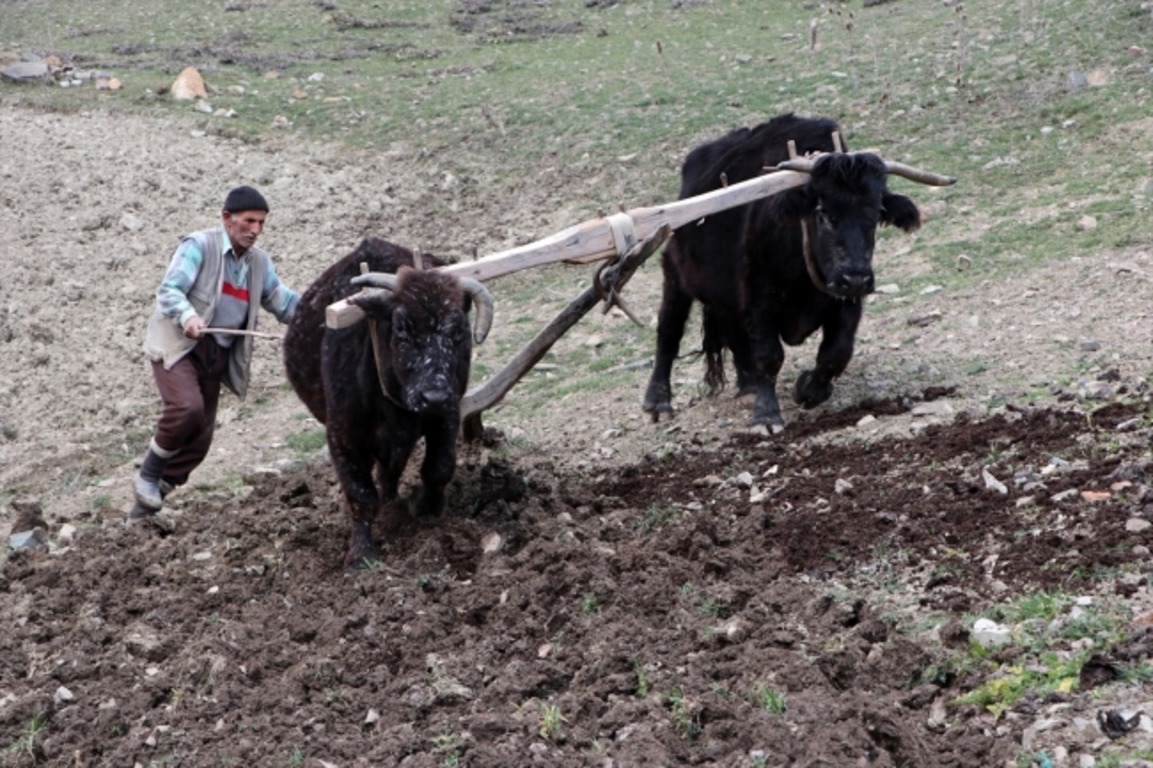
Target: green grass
510 96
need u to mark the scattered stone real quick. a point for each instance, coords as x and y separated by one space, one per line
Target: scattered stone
67 534
26 72
888 289
1089 345
131 222
491 543
929 290
62 696
1137 525
964 262
927 319
1093 496
1065 495
866 420
1077 81
992 483
1087 223
988 633
842 486
743 480
34 539
371 717
188 85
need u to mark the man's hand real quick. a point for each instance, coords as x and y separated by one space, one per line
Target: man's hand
195 327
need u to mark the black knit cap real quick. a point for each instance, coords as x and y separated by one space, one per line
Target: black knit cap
245 199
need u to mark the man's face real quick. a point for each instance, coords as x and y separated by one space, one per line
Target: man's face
243 227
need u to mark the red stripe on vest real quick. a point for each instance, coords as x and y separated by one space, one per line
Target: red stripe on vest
235 292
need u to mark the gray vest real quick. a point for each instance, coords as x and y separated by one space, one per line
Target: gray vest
164 341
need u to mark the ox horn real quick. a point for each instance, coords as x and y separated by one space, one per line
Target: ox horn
483 301
805 165
474 288
385 280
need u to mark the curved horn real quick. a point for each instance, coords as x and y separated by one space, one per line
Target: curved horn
919 175
805 165
483 300
385 280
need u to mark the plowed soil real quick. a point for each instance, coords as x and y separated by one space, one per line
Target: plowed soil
648 617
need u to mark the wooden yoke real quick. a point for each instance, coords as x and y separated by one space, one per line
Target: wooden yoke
600 239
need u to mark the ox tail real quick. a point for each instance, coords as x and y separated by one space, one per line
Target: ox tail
714 349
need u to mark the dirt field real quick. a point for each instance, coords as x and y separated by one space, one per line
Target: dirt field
603 591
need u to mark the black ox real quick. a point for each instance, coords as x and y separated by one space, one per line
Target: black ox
376 404
778 269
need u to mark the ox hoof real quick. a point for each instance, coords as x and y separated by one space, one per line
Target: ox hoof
808 394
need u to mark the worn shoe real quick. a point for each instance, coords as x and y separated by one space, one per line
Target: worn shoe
146 485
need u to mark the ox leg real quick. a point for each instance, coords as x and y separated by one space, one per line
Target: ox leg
766 408
674 313
438 467
816 386
355 476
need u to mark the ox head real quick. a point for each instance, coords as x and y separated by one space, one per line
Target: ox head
838 211
420 329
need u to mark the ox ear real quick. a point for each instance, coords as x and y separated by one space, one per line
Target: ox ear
900 211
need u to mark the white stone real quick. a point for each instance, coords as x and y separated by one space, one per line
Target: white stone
988 633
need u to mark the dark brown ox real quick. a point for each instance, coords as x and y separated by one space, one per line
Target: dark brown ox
775 271
376 404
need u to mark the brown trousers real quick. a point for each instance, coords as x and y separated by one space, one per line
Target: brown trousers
190 392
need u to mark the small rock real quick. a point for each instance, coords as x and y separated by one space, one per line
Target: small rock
842 486
188 85
1093 496
131 222
888 288
992 483
26 72
1087 223
67 534
491 543
1137 525
964 262
371 717
63 695
988 633
32 540
743 480
866 420
1065 495
927 319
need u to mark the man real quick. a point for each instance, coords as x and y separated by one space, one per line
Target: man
217 279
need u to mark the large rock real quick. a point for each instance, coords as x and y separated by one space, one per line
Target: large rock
188 85
26 72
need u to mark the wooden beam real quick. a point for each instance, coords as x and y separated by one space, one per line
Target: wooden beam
603 238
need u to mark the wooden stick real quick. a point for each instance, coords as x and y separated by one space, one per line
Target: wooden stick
595 240
237 332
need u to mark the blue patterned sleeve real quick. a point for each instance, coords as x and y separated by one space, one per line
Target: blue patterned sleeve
172 296
277 297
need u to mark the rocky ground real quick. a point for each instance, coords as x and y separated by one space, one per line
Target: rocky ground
603 590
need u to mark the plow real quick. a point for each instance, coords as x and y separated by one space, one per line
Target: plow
622 242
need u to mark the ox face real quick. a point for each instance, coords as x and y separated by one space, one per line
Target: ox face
429 358
840 209
425 342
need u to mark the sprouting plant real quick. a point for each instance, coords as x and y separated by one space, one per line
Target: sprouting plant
642 680
550 721
296 759
589 605
26 743
685 721
769 699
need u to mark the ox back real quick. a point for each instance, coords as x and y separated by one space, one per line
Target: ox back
747 265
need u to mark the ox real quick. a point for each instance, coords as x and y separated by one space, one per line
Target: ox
380 385
778 269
